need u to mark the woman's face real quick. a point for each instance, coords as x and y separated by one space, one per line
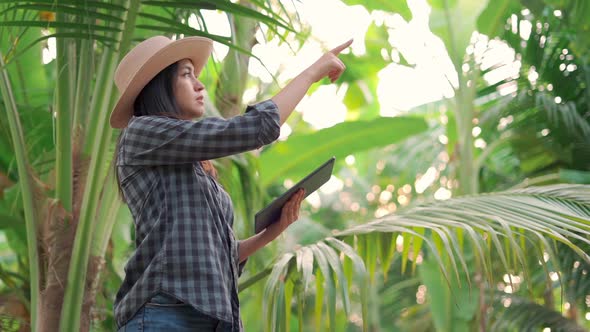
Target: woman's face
188 91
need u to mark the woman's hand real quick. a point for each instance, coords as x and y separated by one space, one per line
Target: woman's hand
329 64
289 214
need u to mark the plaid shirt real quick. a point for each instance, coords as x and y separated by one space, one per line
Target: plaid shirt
183 218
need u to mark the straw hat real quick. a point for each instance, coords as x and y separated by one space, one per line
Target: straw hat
145 61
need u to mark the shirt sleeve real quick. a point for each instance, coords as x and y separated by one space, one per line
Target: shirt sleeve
159 140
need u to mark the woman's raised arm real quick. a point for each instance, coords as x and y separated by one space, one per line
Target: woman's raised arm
328 65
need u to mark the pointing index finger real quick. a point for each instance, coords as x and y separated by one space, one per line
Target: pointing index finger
341 47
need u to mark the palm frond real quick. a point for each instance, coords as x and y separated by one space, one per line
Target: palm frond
565 114
516 313
322 267
543 126
104 22
574 275
539 214
510 226
272 19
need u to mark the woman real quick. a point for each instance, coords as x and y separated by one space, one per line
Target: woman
183 273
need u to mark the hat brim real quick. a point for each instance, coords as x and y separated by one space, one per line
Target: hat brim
197 49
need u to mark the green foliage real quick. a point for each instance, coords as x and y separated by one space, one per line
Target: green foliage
493 18
361 98
454 22
292 157
394 6
327 260
453 306
545 216
524 315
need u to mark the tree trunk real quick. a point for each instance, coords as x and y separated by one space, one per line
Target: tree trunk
60 240
231 86
57 232
18 315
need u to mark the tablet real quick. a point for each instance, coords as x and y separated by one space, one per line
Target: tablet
310 183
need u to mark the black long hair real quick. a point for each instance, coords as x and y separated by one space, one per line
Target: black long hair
157 98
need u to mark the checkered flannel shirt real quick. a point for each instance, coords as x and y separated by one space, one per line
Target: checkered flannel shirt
183 218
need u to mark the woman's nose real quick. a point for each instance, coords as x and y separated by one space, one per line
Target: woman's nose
198 85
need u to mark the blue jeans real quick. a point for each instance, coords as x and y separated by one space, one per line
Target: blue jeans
165 313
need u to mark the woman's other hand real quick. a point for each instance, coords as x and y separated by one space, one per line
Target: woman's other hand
329 64
289 214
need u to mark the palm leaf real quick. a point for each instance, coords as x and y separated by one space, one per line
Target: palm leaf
520 314
542 216
555 213
227 7
327 257
88 4
87 11
573 277
289 158
165 25
547 126
27 189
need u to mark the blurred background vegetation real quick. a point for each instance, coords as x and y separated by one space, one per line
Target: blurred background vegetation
470 212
